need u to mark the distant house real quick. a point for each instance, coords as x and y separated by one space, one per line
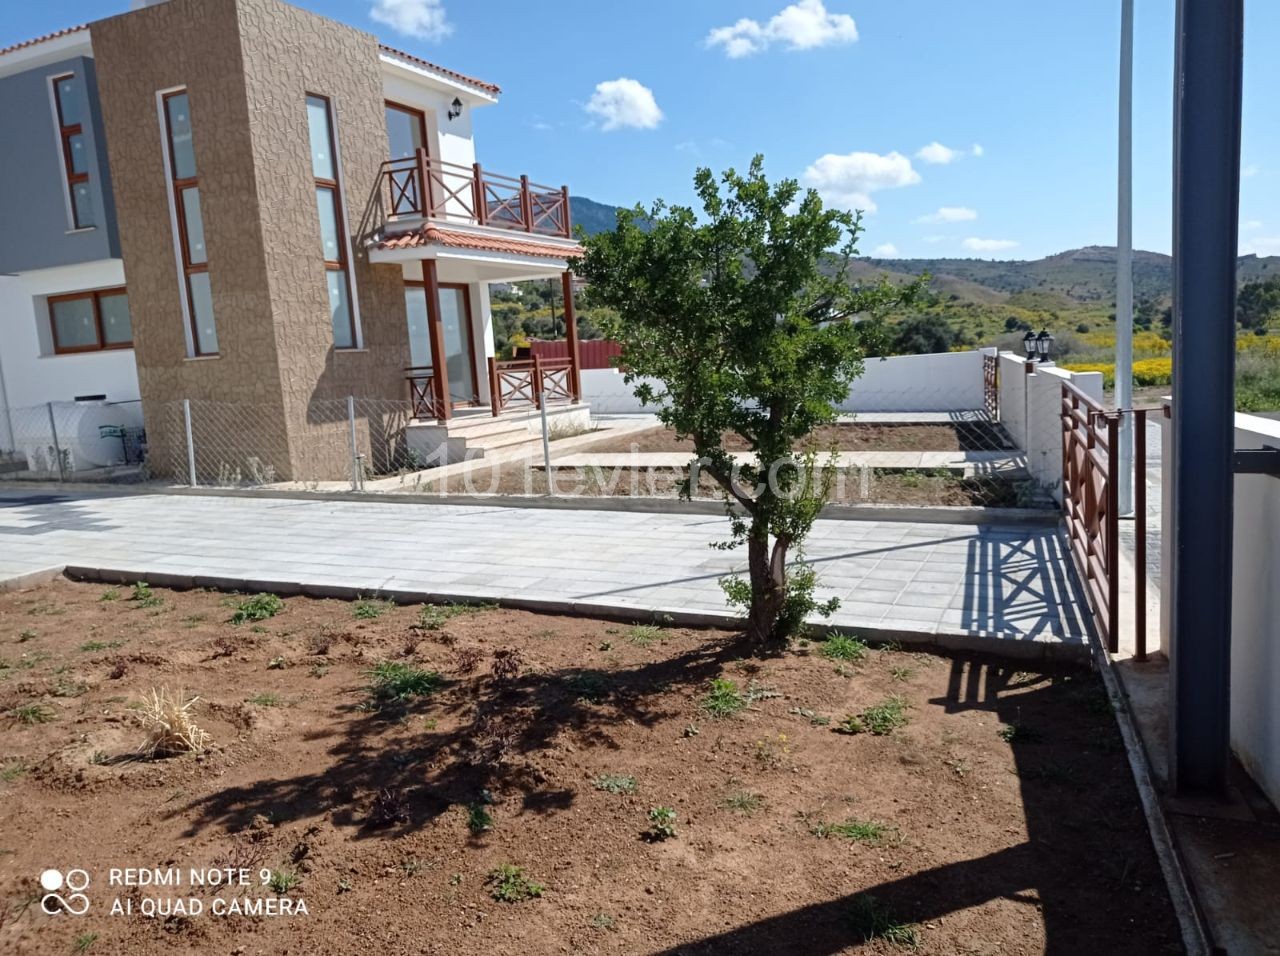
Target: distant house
240 201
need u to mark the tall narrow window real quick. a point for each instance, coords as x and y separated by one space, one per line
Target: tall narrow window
190 222
333 243
69 104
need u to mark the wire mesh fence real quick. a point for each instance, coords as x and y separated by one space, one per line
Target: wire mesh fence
73 441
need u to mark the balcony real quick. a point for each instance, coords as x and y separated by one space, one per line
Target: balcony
417 188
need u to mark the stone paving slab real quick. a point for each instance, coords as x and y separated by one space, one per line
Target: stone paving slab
1005 589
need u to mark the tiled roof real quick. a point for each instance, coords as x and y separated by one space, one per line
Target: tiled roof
431 235
434 67
48 36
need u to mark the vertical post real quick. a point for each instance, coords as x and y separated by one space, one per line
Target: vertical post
495 387
481 201
1112 534
424 182
357 478
1124 260
191 445
435 332
526 204
1206 182
57 448
571 336
536 383
1140 533
568 212
546 443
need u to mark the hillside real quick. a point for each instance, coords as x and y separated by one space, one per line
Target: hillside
592 216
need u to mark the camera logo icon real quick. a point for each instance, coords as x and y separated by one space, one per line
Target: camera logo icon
75 882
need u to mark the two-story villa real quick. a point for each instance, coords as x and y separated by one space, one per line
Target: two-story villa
238 201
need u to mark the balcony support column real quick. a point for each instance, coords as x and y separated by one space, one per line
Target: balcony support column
571 336
435 332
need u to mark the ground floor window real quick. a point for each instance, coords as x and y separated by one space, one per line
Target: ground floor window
90 321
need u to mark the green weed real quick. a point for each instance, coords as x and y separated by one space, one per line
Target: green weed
508 884
841 647
724 699
394 682
615 783
872 920
257 608
881 720
662 824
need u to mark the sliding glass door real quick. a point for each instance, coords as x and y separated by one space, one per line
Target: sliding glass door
459 337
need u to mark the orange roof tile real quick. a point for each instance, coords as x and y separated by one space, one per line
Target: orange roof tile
454 74
48 36
515 245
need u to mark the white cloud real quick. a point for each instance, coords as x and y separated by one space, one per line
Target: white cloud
424 19
978 150
804 25
951 214
989 245
1261 246
938 154
623 103
848 180
886 251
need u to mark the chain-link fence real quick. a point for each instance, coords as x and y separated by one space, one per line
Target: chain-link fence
73 441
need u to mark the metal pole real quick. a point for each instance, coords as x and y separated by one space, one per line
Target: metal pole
1206 176
1124 260
191 445
546 441
57 449
357 478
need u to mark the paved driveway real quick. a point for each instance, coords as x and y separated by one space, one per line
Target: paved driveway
950 583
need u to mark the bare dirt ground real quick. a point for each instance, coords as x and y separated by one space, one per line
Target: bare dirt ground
998 815
959 436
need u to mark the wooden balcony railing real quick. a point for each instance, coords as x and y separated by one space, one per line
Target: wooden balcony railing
424 399
530 381
418 187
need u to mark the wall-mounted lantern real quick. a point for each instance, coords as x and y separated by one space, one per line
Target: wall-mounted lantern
1029 345
1044 345
455 109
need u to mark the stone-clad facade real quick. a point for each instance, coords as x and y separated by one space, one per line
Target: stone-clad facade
248 66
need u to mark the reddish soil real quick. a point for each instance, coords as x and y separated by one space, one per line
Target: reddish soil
960 436
1028 845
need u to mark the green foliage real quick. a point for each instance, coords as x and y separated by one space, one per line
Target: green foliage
396 683
1018 733
872 920
479 820
91 646
145 597
110 594
926 334
32 714
508 884
746 331
744 802
1258 303
257 608
432 617
615 783
841 647
83 942
881 720
643 635
267 699
282 881
370 609
856 831
724 699
662 824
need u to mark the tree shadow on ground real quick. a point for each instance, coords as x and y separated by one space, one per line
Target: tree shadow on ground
496 729
1082 816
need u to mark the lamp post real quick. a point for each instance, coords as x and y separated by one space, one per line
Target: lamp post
1124 262
1029 345
1044 345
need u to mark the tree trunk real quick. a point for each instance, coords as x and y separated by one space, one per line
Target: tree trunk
768 588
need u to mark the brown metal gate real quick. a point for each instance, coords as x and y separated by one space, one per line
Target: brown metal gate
991 385
1090 500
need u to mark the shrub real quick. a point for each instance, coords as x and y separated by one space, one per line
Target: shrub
508 884
257 608
171 729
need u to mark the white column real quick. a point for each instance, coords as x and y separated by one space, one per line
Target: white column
1124 260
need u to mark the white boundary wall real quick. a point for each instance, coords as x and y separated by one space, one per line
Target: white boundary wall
942 382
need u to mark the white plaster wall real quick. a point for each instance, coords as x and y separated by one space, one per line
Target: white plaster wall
942 382
32 373
1255 613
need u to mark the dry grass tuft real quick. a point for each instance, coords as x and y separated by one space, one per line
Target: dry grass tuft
170 727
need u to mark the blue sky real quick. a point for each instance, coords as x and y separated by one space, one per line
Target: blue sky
622 100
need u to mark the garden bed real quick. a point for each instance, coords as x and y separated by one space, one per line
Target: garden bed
845 436
978 809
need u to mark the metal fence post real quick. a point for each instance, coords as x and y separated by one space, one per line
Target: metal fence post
357 476
191 445
57 449
546 442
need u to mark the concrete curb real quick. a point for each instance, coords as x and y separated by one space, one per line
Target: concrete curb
984 642
940 514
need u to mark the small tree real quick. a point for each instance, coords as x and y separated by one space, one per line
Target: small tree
746 322
1258 303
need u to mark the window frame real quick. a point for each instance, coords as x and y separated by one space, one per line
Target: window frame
95 295
178 209
334 188
70 178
